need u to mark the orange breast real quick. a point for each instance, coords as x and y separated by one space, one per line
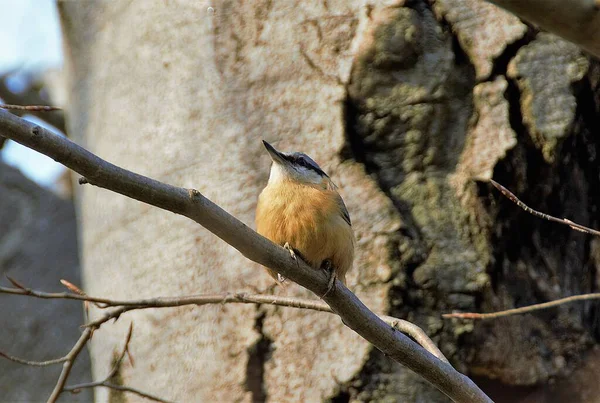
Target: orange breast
309 219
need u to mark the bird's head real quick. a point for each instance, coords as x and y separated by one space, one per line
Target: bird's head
297 167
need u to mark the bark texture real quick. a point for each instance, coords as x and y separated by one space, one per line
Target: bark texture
410 107
38 247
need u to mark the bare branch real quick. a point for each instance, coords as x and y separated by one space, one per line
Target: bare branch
68 364
192 204
564 221
77 388
15 282
543 305
70 358
524 309
31 96
106 381
227 298
577 21
119 361
31 108
416 333
33 363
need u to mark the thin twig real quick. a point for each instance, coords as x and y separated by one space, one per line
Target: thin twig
192 204
106 381
31 95
14 282
543 305
68 364
83 339
33 363
31 108
564 221
119 361
416 333
524 309
70 358
77 388
167 302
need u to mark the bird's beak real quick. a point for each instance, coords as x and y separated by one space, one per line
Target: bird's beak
275 155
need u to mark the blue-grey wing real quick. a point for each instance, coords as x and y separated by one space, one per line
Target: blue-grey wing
341 204
344 210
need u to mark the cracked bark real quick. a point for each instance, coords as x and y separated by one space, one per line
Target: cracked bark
259 354
431 165
400 105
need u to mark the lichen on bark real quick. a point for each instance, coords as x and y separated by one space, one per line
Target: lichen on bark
545 70
432 135
411 103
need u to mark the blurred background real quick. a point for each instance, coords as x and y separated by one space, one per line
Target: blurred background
38 241
30 66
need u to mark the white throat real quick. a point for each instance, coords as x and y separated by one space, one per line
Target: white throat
278 173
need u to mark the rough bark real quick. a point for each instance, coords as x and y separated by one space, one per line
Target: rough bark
38 246
577 20
409 114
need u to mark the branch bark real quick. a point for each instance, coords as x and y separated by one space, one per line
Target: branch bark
523 309
192 204
404 326
577 21
544 305
106 382
31 96
68 365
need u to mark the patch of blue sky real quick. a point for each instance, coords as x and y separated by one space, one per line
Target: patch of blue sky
30 42
30 37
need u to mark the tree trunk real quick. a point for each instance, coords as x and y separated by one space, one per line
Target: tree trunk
410 108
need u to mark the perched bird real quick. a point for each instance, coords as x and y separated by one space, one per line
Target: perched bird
301 210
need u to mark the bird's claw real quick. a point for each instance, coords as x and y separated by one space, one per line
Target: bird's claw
328 267
289 248
281 279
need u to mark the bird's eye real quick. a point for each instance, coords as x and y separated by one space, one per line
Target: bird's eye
302 162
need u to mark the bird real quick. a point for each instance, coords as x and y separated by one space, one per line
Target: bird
301 210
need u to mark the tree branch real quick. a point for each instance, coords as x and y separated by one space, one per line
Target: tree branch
31 96
68 364
404 326
523 309
105 384
32 363
194 205
30 108
510 196
165 302
577 21
106 381
544 305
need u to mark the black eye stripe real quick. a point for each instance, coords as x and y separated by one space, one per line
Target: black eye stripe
298 160
304 161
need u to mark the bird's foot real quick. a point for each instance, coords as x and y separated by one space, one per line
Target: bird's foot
281 279
289 248
328 267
